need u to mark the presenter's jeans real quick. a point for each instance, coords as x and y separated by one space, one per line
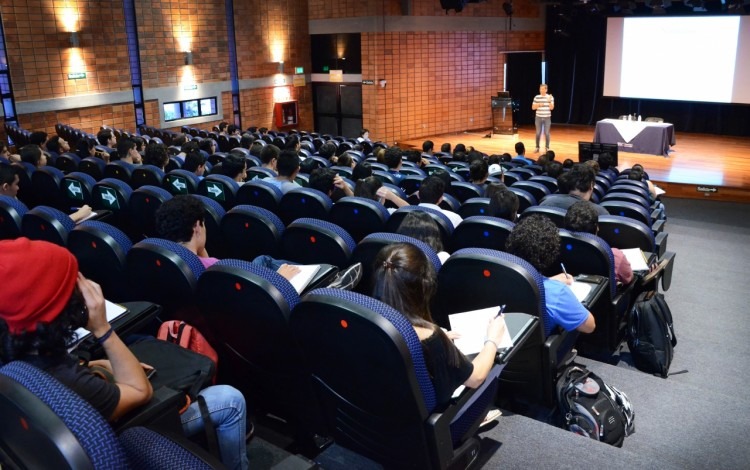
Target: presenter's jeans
542 123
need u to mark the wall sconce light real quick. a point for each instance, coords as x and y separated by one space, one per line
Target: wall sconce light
74 39
281 67
188 57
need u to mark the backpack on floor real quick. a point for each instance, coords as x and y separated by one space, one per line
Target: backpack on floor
592 408
179 332
651 337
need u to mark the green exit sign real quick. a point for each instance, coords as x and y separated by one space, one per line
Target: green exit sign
326 68
76 75
299 70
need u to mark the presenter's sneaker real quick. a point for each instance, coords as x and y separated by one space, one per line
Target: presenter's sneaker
348 278
536 150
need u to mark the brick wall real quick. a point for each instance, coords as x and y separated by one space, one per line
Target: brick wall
326 9
121 116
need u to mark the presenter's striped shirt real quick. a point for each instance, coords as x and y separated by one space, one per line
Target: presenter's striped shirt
543 110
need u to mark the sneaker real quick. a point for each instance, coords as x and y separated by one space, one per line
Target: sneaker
536 150
492 415
348 278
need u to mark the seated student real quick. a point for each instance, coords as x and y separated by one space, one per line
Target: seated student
573 186
246 141
521 155
537 240
637 173
393 159
288 167
51 299
182 220
406 280
428 148
345 160
420 225
87 148
605 165
446 147
479 172
582 217
329 183
107 138
156 155
364 136
328 151
361 171
128 153
269 156
568 164
431 194
39 138
503 202
553 169
57 145
308 165
208 145
292 143
372 188
33 154
235 167
195 162
5 153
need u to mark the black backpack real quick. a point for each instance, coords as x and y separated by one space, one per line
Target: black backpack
591 408
651 337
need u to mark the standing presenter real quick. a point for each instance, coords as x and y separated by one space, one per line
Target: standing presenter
543 105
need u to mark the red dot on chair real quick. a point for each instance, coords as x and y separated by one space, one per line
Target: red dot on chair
24 424
237 286
344 324
43 228
486 273
158 263
148 201
312 239
247 225
93 245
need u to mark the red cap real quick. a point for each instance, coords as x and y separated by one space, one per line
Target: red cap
36 281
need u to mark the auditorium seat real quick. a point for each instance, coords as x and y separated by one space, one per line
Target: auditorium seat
11 214
93 166
443 222
524 172
120 170
77 189
250 231
525 198
634 211
548 181
314 241
511 177
369 247
114 195
490 278
304 202
481 232
411 183
259 193
259 172
47 224
220 188
180 182
67 162
474 206
384 176
465 190
144 202
383 389
555 214
359 216
146 175
101 250
45 183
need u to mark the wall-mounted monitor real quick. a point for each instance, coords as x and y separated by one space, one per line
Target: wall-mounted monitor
186 109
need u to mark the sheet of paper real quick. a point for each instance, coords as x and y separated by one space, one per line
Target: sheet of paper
90 216
581 289
305 275
636 258
472 326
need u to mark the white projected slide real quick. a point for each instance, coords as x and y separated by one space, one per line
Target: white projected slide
678 58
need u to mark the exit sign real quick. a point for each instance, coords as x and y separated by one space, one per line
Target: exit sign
76 75
326 68
299 70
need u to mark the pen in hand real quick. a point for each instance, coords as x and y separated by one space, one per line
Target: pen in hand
500 312
564 271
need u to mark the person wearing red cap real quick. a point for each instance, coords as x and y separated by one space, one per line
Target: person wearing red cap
44 299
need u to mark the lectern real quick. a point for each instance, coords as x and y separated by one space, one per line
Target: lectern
502 115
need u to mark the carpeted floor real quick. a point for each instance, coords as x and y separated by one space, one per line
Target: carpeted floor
694 420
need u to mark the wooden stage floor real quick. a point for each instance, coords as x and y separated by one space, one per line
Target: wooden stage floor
699 165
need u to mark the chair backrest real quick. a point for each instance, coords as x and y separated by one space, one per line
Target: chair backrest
625 232
636 189
101 250
615 194
77 188
481 231
111 194
548 181
525 172
93 166
304 202
443 222
359 216
628 209
144 202
465 190
67 162
367 249
525 198
474 206
146 174
536 189
45 183
315 241
120 170
260 172
220 188
48 224
214 212
584 253
382 387
181 182
47 425
259 193
385 176
555 214
11 214
250 231
511 177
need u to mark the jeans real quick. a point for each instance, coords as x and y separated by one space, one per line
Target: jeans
270 263
226 406
542 123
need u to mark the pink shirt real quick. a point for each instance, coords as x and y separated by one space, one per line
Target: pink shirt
208 262
623 271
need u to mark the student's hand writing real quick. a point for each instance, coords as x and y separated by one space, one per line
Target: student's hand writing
566 279
496 329
288 271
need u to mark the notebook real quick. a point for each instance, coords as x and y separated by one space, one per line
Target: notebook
113 311
472 326
306 274
636 258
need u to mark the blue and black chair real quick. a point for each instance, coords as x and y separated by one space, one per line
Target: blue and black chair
481 232
411 184
367 393
180 182
369 247
113 195
220 188
315 241
93 166
48 425
536 189
304 202
250 231
77 189
548 181
147 175
45 183
465 190
555 214
213 214
489 278
634 211
359 216
259 193
67 162
47 224
144 202
259 172
474 206
11 215
101 250
120 170
525 198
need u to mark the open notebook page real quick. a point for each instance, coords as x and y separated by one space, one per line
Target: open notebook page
472 326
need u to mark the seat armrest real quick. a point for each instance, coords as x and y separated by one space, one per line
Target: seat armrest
666 278
163 412
657 226
554 346
660 240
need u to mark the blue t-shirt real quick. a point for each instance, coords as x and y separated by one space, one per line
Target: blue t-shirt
563 308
